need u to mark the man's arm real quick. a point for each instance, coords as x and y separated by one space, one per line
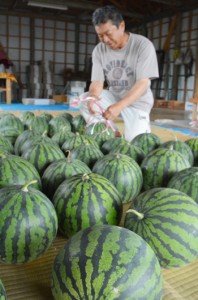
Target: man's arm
95 89
135 93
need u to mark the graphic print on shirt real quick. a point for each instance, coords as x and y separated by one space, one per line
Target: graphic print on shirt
117 74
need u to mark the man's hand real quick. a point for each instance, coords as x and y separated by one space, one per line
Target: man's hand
91 103
112 112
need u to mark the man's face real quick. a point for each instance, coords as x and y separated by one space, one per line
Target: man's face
111 35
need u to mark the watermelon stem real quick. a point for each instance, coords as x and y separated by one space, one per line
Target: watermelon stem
85 176
138 214
25 187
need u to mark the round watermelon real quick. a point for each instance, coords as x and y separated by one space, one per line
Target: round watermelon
57 123
147 142
100 132
84 200
123 171
15 170
160 165
10 120
167 220
22 138
78 124
62 136
181 147
11 133
28 224
110 144
2 291
76 140
26 117
186 181
106 262
60 170
38 124
42 155
5 145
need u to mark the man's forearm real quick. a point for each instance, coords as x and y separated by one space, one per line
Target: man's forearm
135 93
95 88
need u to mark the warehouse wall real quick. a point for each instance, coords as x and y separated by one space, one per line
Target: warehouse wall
68 46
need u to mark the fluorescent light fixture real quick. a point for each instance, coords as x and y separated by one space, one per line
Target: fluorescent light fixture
47 5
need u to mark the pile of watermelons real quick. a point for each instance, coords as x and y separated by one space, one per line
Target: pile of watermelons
60 176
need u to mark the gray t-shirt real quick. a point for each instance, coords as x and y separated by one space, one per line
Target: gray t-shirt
122 68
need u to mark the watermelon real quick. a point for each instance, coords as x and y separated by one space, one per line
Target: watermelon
84 200
60 170
2 291
25 117
28 224
193 144
5 145
62 135
132 151
167 220
77 140
110 144
100 132
147 142
181 147
22 138
38 124
15 170
123 171
10 133
42 155
10 120
57 123
160 165
34 140
87 153
106 262
46 116
186 181
67 116
78 124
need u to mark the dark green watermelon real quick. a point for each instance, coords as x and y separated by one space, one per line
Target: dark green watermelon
181 147
42 155
22 138
60 170
186 181
100 132
10 133
84 200
62 136
34 140
38 124
167 220
87 153
57 123
147 142
28 224
78 124
160 165
10 120
123 171
106 262
110 144
15 170
26 117
46 116
5 145
193 144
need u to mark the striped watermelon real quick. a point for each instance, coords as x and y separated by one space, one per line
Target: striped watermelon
160 165
84 200
77 140
25 117
132 151
87 153
34 140
46 116
100 132
193 144
38 124
10 133
78 124
63 135
15 170
67 116
57 123
42 155
10 120
22 138
2 291
110 144
60 170
146 141
167 220
106 262
181 147
186 181
28 224
5 145
123 172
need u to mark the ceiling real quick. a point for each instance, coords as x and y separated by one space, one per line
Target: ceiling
135 12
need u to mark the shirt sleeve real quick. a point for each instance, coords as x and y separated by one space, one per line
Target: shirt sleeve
97 72
147 64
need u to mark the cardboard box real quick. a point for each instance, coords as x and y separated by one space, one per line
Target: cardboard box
174 104
60 98
160 103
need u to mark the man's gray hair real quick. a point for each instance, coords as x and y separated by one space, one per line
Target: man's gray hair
105 14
